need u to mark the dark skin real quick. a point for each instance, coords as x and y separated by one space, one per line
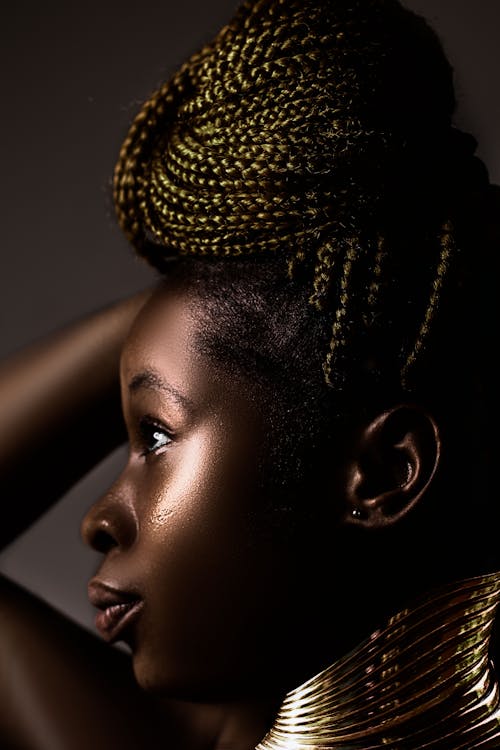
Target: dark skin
186 526
63 385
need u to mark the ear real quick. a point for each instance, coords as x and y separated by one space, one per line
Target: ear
395 458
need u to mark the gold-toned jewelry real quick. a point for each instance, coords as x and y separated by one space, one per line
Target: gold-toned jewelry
424 680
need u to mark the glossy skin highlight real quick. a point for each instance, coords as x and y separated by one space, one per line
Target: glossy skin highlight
185 524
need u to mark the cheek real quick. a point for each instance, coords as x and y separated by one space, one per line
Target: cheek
205 575
184 508
200 487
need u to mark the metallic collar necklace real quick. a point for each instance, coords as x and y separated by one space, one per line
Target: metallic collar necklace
424 680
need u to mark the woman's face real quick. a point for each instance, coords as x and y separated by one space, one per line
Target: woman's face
227 595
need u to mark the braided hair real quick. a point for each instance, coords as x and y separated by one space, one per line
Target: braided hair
318 134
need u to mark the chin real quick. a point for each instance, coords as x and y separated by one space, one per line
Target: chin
169 682
175 682
152 677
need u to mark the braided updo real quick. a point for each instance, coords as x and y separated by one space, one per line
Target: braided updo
318 132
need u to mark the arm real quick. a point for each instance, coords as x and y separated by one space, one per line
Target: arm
60 411
61 687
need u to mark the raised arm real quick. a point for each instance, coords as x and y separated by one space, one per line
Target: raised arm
60 411
60 686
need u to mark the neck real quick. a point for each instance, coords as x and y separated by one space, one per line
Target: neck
226 726
423 679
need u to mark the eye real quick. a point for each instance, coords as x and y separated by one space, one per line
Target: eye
153 435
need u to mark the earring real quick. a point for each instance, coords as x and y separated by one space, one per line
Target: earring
356 513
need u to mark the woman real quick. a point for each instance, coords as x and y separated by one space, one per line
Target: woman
300 551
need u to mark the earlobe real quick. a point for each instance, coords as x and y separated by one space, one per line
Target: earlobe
395 459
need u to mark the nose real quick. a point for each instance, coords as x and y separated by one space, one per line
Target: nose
111 521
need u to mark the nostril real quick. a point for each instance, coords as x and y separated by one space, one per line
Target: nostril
102 541
97 532
110 522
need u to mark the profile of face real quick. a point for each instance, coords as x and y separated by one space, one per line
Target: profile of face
188 526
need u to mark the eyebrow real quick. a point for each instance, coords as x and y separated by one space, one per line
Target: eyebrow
154 381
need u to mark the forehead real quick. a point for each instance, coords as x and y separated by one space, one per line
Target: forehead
162 344
167 323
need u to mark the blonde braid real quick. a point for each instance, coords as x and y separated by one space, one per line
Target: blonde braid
270 140
447 251
374 290
341 325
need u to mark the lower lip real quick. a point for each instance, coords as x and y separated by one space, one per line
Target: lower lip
112 621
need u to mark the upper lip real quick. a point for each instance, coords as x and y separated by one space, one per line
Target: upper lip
103 595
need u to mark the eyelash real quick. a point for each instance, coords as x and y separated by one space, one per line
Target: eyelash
151 428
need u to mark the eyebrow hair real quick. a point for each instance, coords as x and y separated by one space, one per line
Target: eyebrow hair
154 381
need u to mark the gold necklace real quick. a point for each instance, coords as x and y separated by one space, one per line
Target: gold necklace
424 680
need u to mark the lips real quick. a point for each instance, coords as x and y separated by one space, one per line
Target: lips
118 609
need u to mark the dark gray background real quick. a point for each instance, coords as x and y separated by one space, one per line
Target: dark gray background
73 76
